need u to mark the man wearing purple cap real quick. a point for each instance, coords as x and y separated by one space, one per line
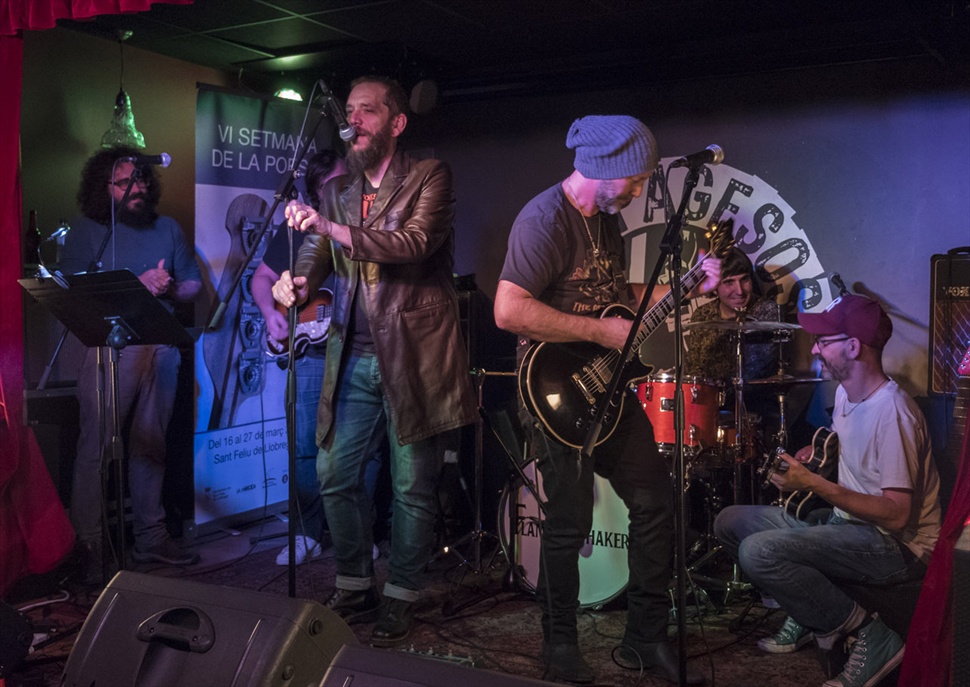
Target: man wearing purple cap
886 513
565 265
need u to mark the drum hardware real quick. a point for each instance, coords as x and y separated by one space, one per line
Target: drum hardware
474 562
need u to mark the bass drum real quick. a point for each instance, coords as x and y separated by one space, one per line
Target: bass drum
603 568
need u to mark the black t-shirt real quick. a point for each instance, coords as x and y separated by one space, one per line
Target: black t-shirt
551 255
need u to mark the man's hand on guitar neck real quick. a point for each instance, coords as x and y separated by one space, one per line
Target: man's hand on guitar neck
795 477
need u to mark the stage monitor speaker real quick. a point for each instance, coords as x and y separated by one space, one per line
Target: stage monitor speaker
368 667
149 631
949 317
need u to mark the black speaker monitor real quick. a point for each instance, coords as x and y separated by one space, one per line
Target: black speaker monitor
149 631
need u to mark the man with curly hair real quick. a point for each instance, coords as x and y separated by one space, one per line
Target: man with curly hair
110 236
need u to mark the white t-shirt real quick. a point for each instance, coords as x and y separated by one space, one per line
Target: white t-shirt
884 444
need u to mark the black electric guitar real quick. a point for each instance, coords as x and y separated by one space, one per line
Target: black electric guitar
562 384
824 461
312 324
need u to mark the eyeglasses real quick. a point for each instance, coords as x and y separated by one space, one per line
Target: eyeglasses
822 343
124 182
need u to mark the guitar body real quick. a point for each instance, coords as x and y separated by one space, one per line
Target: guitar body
562 384
312 325
824 461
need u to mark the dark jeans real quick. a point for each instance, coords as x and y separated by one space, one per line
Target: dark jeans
629 459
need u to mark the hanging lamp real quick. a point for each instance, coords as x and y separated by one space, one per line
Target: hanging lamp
122 131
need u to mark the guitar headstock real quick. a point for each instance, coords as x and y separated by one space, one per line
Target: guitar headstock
721 237
963 369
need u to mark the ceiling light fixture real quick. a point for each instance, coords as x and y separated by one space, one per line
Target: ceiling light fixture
289 94
122 131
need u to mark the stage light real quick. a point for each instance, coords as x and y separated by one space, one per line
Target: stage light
289 94
122 130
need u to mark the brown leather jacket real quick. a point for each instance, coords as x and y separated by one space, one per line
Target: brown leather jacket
401 259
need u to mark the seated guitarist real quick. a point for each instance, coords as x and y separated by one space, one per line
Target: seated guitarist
886 515
565 265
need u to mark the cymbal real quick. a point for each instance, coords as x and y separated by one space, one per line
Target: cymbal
784 380
749 326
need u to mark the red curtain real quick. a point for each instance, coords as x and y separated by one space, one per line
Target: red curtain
929 645
35 533
17 15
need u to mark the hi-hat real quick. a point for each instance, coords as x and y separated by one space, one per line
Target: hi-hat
749 326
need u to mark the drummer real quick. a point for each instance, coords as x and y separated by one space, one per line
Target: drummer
712 352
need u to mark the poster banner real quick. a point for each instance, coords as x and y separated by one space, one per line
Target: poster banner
245 147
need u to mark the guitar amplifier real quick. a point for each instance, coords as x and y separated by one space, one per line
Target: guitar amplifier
949 317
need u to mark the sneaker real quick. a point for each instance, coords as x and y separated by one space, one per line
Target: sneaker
791 637
168 552
307 549
875 653
355 605
565 662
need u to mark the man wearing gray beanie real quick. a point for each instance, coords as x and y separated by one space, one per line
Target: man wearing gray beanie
564 268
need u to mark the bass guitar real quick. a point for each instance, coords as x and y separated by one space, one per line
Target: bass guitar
562 384
312 325
824 461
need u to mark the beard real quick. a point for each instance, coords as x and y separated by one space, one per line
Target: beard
609 203
380 144
142 215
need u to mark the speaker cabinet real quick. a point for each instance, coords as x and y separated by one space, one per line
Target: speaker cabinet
949 317
150 631
368 667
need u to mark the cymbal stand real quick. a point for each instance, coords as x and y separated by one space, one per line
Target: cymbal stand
734 584
474 562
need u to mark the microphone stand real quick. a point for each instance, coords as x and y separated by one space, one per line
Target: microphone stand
284 191
671 246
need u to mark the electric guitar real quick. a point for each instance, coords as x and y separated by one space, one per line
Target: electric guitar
824 461
312 325
562 384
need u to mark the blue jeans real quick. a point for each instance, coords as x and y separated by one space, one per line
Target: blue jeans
629 459
362 420
800 564
309 380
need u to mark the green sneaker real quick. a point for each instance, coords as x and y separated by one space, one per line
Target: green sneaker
875 653
791 637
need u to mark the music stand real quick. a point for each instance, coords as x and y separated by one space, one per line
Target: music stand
110 309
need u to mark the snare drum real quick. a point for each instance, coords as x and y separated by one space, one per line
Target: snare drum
603 566
702 398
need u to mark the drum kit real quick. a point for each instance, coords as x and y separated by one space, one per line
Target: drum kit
723 446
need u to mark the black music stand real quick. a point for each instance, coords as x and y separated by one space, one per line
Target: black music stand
109 309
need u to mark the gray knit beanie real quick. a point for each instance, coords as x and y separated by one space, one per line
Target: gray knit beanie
612 147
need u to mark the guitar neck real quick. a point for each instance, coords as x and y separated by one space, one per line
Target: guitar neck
655 316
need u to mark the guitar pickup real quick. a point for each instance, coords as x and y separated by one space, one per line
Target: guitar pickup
577 380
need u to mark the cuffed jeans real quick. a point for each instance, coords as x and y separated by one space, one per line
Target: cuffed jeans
629 459
799 564
362 419
147 382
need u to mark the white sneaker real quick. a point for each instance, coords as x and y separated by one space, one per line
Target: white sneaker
307 549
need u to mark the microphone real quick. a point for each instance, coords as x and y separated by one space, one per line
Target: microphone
162 160
711 155
345 129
